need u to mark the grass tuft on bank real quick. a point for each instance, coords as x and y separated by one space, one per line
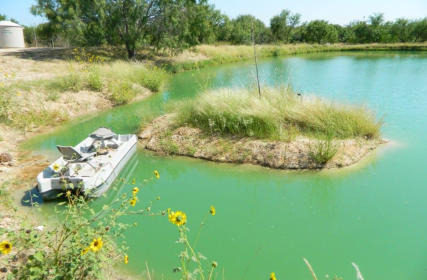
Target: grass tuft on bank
23 103
120 81
279 114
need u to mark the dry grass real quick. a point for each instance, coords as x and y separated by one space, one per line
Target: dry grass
205 55
278 114
71 89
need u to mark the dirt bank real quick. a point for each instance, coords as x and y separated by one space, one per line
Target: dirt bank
160 136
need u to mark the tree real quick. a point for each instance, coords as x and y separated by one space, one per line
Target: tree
242 30
419 30
345 33
170 24
82 22
283 25
203 22
399 30
224 28
362 32
320 31
4 17
376 19
376 22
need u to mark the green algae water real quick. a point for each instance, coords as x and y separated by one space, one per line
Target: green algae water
374 214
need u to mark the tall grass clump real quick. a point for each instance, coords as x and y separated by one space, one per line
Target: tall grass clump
121 92
94 79
133 72
323 151
5 103
229 112
276 114
117 80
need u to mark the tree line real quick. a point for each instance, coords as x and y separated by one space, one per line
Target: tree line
179 24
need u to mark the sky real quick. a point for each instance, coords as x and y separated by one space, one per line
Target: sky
334 11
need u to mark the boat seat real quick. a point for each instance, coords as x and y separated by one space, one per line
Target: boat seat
70 154
103 133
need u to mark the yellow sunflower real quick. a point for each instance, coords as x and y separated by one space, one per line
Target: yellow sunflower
96 244
5 247
177 218
157 174
132 202
85 250
135 190
56 167
212 210
273 276
126 259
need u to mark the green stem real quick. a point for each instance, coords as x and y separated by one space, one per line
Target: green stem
210 274
200 230
195 256
184 267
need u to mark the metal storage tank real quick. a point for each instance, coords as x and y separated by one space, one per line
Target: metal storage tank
11 35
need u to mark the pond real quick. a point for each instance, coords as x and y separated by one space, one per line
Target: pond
373 214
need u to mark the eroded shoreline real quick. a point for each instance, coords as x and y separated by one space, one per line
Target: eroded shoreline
162 137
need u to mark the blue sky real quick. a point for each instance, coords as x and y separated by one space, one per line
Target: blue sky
335 11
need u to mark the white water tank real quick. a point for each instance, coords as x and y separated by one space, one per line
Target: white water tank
11 35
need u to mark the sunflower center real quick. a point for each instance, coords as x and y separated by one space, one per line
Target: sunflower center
95 244
7 246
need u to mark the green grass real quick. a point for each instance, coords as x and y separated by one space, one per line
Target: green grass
323 151
278 114
5 196
133 72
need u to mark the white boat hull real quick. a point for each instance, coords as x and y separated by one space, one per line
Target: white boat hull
92 177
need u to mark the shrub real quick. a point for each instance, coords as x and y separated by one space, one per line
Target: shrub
149 78
94 80
134 72
121 92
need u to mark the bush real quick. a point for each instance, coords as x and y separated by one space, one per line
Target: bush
133 72
70 82
121 92
94 80
151 79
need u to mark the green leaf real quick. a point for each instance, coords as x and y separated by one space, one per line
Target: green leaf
39 256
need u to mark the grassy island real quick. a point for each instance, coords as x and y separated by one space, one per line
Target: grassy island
279 129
